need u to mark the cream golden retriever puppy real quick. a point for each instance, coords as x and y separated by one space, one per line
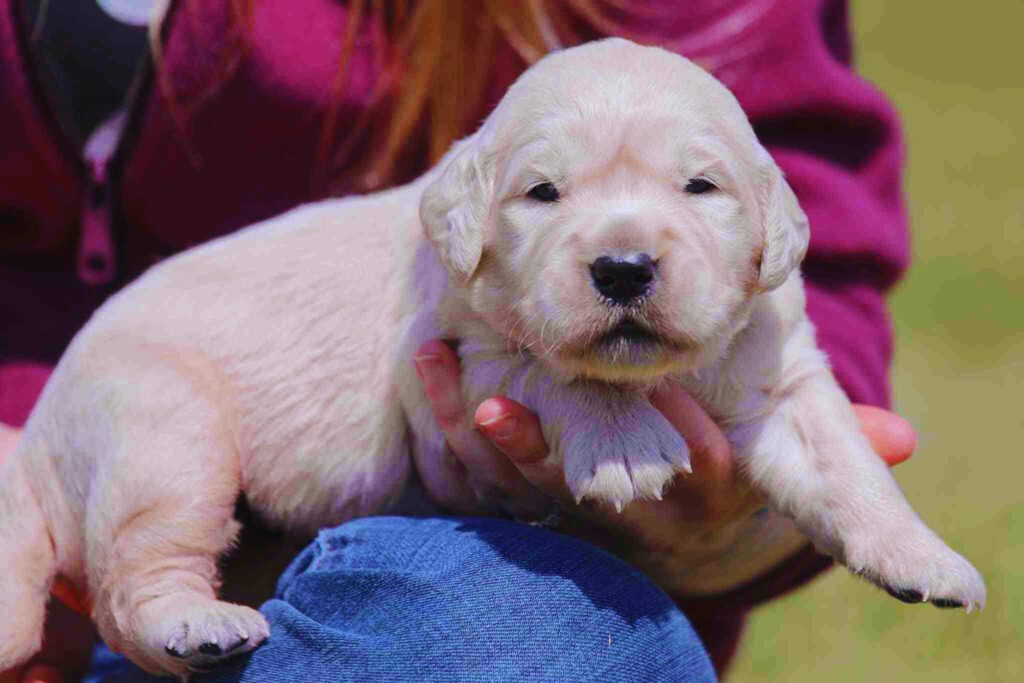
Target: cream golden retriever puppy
614 224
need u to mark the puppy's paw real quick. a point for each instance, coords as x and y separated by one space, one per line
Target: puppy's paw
200 635
633 456
913 565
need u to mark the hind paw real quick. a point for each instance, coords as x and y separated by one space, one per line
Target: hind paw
194 634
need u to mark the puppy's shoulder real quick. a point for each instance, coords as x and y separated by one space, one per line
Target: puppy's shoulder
783 308
777 332
779 343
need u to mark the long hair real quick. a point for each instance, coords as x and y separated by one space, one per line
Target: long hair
435 72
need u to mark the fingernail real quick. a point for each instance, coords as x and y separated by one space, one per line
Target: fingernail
501 427
427 366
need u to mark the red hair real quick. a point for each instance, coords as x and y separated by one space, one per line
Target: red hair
435 76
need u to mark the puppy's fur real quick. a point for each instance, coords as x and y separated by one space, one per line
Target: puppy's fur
276 362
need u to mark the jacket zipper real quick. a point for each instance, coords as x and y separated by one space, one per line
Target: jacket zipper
96 255
96 262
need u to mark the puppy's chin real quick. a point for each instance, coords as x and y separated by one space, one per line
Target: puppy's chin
625 354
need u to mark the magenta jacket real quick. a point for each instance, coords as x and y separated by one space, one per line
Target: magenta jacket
73 231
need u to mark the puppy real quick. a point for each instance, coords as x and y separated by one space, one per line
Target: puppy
614 224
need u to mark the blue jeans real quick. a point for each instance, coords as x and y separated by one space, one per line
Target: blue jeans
400 599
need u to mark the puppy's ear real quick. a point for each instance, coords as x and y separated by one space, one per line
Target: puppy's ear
785 228
456 205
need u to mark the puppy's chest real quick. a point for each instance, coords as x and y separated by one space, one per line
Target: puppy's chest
731 395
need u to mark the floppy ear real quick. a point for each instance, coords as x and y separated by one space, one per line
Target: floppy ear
456 205
785 228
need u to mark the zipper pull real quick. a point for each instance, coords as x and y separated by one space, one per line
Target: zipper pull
96 256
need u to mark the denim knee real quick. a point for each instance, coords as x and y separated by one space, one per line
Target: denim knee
399 599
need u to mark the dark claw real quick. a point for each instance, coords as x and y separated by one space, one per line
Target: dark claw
905 595
174 652
947 603
211 649
232 654
239 644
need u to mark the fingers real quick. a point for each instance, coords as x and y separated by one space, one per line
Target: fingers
516 433
892 437
491 476
712 493
512 428
437 366
710 453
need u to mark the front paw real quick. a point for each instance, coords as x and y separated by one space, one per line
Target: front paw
913 565
630 454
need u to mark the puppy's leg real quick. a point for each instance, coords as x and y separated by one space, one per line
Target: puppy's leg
614 445
153 571
811 459
160 515
27 565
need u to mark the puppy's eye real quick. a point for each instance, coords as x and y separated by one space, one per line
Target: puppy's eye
700 186
545 192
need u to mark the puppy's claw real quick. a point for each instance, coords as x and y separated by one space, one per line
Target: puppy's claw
944 603
618 506
206 633
917 568
906 595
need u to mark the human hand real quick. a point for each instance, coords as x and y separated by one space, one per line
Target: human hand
710 533
67 645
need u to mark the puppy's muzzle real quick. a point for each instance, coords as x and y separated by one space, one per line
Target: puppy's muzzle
630 331
622 280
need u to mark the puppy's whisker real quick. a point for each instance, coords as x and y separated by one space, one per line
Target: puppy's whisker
543 329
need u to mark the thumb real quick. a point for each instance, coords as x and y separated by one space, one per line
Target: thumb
892 437
516 432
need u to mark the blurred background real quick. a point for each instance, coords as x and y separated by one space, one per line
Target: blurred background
954 71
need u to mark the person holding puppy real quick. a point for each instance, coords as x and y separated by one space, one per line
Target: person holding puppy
178 140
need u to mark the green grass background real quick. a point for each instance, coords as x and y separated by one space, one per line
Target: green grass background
956 72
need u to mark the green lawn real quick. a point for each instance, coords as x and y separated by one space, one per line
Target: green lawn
954 70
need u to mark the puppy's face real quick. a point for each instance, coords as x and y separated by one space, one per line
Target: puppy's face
615 215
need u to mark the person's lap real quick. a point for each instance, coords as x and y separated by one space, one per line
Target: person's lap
402 599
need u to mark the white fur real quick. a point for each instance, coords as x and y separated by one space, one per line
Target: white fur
276 362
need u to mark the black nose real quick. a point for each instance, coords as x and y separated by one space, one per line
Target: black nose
623 279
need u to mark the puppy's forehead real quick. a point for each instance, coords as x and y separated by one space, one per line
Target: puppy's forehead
616 87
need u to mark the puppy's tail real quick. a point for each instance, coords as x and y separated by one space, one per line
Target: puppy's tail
27 565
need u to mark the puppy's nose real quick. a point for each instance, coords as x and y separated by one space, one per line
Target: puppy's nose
623 279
